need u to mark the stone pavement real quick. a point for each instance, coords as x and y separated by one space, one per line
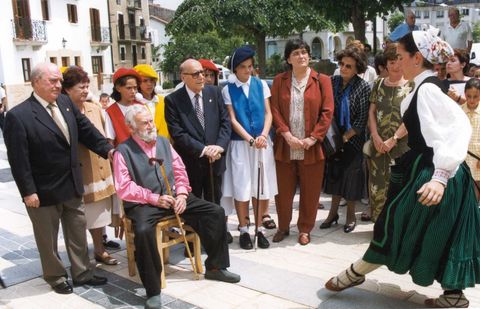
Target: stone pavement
286 275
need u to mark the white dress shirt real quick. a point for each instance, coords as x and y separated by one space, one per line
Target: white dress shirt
57 111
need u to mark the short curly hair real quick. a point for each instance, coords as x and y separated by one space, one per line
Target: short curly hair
356 54
72 76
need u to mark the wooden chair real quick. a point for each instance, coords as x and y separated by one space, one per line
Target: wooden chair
165 239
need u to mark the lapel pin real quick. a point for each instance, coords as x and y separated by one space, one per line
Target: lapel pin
68 109
210 100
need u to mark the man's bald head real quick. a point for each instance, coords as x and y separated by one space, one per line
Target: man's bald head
47 81
192 75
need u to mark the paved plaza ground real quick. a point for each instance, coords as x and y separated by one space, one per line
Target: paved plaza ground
287 275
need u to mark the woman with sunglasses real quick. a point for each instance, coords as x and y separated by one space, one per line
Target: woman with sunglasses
250 165
430 225
345 175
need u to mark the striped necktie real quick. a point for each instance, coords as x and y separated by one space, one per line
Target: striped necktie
198 110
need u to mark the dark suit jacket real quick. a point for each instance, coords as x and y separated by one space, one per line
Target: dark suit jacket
189 138
40 157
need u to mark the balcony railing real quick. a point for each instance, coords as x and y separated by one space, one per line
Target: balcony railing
135 4
100 34
133 33
26 29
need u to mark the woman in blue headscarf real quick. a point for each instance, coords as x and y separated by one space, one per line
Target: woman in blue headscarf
344 173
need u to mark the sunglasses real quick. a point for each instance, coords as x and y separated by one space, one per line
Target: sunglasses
196 74
346 65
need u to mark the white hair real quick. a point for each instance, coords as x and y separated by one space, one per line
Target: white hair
132 111
40 69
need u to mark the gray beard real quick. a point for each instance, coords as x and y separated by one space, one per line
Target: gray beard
148 137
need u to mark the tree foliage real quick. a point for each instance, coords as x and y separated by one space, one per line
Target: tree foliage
394 20
198 45
476 32
251 19
356 12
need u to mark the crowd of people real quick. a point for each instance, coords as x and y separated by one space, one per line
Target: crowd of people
404 126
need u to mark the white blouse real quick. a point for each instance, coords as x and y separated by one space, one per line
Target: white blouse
444 125
246 89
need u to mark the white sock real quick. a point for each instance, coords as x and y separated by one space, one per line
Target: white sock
360 269
244 229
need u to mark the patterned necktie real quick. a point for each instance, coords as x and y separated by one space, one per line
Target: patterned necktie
58 121
198 111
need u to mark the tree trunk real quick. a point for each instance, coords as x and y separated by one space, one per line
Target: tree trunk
260 42
358 20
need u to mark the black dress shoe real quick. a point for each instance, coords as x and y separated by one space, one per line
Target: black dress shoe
327 224
63 288
96 280
246 241
229 238
222 275
154 302
347 228
262 241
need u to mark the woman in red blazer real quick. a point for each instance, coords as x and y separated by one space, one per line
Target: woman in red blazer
302 108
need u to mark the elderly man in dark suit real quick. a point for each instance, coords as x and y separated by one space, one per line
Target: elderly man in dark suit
200 128
42 135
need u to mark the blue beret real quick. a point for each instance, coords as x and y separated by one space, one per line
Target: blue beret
240 55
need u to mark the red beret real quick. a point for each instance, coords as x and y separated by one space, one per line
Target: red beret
208 65
125 72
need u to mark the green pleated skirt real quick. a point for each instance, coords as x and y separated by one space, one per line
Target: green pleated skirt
439 242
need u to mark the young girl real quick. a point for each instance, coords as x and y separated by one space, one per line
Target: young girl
248 104
472 109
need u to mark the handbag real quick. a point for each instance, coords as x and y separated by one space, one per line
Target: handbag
333 141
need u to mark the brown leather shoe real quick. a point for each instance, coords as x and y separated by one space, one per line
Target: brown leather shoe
304 239
280 235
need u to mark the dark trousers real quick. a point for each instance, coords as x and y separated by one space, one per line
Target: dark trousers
206 218
201 182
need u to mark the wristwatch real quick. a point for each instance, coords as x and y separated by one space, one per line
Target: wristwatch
395 138
251 142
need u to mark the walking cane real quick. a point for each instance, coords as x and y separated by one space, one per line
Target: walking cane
212 186
259 182
179 221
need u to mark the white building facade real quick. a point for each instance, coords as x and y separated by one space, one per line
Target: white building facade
65 32
325 44
436 14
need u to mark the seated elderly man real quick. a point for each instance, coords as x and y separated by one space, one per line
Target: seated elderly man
141 187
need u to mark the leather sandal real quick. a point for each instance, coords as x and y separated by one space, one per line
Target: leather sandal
304 239
448 301
269 224
107 260
354 278
280 235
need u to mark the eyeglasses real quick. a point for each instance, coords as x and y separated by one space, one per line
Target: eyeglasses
195 75
346 65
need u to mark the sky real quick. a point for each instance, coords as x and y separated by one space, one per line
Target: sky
169 4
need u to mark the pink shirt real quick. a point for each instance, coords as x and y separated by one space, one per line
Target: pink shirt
129 191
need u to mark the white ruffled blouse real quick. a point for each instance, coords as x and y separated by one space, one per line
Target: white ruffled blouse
444 126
